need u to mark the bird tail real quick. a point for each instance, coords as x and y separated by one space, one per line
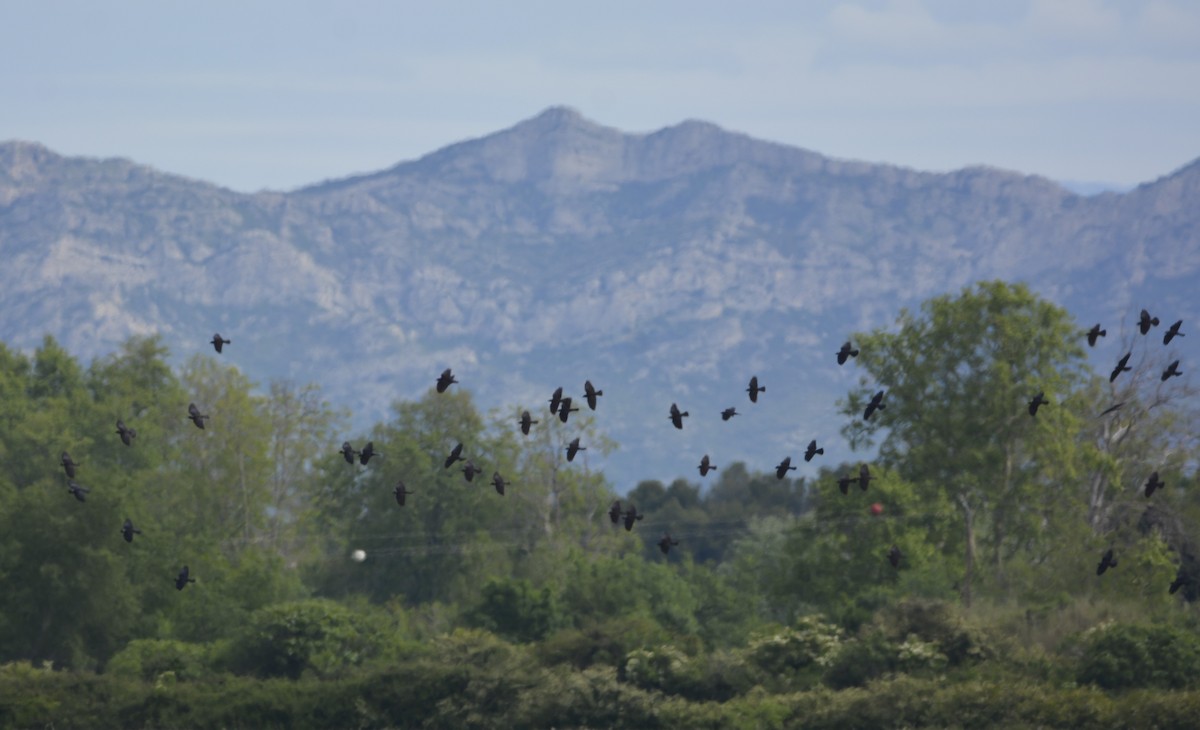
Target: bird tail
1153 321
854 353
820 451
1103 333
684 413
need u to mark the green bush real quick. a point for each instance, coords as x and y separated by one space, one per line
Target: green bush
1122 656
514 609
146 659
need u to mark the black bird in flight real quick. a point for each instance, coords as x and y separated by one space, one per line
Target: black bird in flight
754 390
1122 367
348 452
590 393
128 530
68 465
1176 584
556 399
1172 333
401 492
78 490
631 516
1094 333
127 434
1145 322
1171 371
728 413
368 451
812 450
677 416
455 454
846 352
1038 401
574 448
894 555
706 466
1153 483
196 416
1106 561
1111 409
470 470
666 543
565 409
499 483
445 380
864 477
526 422
875 404
844 483
614 512
218 342
782 470
183 579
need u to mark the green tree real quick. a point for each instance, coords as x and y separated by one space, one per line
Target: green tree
957 378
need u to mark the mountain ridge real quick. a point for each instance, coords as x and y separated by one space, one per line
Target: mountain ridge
670 260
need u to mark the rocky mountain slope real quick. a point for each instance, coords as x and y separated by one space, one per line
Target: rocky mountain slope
665 267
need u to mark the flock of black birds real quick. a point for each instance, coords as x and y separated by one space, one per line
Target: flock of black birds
562 406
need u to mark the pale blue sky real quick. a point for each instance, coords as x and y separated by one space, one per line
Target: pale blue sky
256 95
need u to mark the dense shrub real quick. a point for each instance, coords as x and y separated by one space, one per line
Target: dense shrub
514 609
147 659
1120 656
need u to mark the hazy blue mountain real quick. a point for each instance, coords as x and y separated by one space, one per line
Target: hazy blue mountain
666 267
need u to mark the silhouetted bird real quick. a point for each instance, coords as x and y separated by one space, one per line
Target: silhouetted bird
1145 322
499 483
1106 562
1172 333
864 477
666 543
875 404
367 452
197 417
631 516
1094 333
1111 409
1122 367
894 555
728 413
844 483
782 470
1153 483
590 393
846 352
565 409
1176 584
401 492
526 422
455 455
574 448
754 390
445 380
128 530
348 452
78 490
218 342
614 512
1171 371
677 416
68 464
1038 401
470 470
556 399
706 466
127 433
812 450
182 580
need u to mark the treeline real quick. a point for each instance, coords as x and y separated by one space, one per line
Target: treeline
778 594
